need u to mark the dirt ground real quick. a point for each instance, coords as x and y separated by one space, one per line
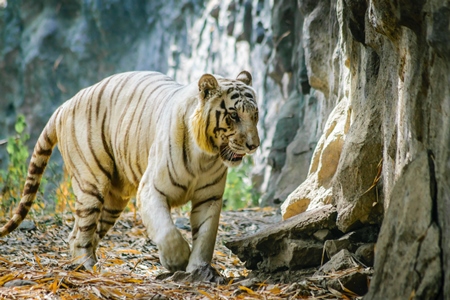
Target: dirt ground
35 264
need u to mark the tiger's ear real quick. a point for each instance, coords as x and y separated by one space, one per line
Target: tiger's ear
245 77
207 85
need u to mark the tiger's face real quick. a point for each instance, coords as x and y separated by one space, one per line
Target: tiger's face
226 118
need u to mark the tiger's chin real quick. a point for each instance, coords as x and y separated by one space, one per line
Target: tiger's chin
229 157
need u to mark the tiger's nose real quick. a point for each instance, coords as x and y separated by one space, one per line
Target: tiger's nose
251 147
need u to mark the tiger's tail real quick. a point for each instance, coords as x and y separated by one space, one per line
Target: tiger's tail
41 155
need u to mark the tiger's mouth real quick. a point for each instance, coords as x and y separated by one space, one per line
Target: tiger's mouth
229 155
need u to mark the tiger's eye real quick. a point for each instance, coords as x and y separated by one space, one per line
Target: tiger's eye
234 115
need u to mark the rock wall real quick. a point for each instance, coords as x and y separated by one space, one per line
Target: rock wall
384 151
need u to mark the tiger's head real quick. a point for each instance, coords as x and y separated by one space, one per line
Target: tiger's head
225 120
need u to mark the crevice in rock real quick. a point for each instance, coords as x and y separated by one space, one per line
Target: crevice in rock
356 23
435 217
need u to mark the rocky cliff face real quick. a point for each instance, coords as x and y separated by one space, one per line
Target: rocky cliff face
354 99
385 146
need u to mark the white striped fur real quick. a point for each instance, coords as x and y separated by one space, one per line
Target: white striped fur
142 134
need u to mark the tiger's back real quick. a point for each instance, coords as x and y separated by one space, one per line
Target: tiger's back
118 147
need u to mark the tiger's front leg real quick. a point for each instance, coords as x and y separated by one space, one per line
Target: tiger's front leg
205 215
174 251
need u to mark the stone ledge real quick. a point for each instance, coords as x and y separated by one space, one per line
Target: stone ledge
288 245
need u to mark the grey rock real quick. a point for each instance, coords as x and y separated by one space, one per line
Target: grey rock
215 11
248 21
317 190
355 282
414 260
232 6
27 225
230 28
366 254
300 149
334 246
368 234
322 234
340 261
284 14
437 35
286 245
336 268
286 127
356 23
293 254
352 240
260 32
358 167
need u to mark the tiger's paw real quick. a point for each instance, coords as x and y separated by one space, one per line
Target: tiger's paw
204 273
208 273
174 252
85 264
84 259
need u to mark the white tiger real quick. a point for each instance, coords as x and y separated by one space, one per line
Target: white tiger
141 133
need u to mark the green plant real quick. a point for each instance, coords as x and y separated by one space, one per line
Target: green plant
13 178
239 192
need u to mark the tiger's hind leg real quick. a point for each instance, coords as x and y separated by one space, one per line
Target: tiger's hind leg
112 208
83 239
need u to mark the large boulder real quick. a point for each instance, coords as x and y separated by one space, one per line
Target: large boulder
288 245
316 190
409 240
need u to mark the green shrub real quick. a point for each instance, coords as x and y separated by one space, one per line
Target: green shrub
239 192
13 178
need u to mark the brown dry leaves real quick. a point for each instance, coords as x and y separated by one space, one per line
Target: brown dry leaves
36 265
